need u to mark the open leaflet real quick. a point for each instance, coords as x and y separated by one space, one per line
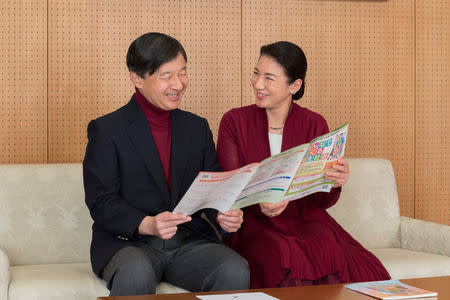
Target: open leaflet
289 175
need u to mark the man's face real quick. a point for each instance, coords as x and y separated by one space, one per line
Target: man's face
165 87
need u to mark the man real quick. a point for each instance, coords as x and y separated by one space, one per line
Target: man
139 162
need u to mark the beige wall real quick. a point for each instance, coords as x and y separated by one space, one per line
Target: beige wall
383 66
23 82
432 111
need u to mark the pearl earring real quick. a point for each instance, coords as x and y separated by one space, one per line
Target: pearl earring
292 92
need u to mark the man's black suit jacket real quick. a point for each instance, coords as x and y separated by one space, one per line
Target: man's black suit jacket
124 179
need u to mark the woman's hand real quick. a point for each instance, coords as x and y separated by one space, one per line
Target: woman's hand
340 173
231 220
273 209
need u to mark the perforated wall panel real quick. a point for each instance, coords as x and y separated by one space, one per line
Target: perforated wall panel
433 111
88 41
383 66
23 82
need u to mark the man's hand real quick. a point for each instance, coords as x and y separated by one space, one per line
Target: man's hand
273 209
231 220
163 225
340 174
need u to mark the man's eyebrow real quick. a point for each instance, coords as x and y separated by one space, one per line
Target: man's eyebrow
169 72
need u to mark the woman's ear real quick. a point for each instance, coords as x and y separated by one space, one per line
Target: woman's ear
136 80
296 85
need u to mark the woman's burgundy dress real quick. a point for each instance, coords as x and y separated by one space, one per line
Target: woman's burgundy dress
304 243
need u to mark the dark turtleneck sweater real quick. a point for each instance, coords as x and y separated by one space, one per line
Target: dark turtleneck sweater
160 126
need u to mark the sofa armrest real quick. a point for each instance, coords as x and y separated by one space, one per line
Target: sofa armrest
4 275
418 235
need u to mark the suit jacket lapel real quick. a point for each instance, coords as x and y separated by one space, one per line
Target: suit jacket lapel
179 154
142 139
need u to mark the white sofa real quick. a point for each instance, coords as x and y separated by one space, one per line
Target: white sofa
368 209
45 230
45 235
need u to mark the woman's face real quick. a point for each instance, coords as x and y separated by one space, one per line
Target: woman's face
270 84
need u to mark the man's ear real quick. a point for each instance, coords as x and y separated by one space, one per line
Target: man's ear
136 80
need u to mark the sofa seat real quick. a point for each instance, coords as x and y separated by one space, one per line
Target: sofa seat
55 281
403 263
62 281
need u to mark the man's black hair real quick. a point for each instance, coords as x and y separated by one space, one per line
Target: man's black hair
149 51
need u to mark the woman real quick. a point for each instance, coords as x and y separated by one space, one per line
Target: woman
297 242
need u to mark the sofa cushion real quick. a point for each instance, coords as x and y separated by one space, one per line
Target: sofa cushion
63 281
368 207
402 263
43 217
55 281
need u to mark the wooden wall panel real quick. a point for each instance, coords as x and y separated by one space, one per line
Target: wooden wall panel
433 111
23 82
88 41
361 70
381 65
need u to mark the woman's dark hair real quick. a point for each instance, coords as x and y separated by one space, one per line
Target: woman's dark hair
149 51
292 59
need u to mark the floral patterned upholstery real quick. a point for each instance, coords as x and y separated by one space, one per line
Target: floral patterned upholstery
45 234
368 209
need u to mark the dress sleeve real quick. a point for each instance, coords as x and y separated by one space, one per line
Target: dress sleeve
228 151
324 200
